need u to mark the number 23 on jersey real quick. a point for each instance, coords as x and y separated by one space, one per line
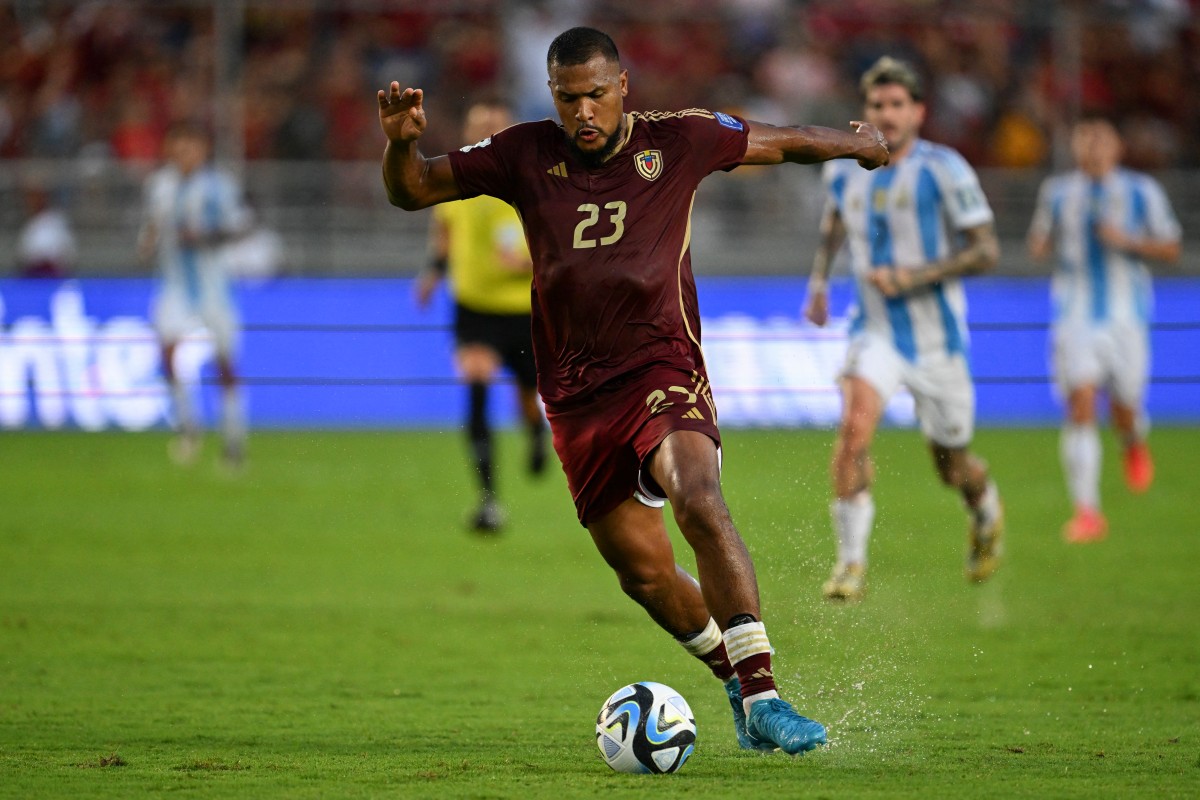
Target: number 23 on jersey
615 223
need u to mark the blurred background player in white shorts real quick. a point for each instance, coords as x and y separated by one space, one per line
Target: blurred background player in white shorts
913 228
1102 222
192 211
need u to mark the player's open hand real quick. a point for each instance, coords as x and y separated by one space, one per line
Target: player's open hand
401 114
874 152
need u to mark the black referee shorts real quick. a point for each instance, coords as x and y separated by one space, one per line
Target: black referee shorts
507 334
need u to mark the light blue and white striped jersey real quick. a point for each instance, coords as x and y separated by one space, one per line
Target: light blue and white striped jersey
207 201
1094 284
907 215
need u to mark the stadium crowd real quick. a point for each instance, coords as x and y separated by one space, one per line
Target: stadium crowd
1004 76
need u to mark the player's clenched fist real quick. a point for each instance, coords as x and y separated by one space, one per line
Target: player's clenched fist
874 149
401 114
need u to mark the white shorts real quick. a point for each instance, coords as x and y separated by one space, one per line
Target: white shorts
1115 357
940 385
176 316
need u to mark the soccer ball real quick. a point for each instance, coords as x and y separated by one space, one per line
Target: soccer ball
645 727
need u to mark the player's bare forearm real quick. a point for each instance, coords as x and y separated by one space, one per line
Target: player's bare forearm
147 242
1039 246
1166 251
812 144
980 254
412 180
833 235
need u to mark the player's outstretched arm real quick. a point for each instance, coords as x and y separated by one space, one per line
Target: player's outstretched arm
412 180
810 144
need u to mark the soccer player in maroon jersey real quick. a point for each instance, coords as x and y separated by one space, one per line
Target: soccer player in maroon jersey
605 198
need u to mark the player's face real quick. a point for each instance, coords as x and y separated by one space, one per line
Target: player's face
892 109
590 99
187 151
1096 147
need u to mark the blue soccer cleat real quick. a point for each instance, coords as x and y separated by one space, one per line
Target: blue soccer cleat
775 723
733 690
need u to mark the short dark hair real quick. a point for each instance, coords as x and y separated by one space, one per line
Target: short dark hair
888 70
579 46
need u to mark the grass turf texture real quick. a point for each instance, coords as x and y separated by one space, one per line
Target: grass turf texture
324 626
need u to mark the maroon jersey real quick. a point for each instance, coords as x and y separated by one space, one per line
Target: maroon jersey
612 279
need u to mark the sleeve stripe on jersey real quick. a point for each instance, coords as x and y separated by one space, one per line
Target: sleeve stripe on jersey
654 116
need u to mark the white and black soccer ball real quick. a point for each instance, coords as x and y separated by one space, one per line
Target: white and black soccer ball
646 727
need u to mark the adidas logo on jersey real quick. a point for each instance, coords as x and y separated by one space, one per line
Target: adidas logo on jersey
693 414
558 170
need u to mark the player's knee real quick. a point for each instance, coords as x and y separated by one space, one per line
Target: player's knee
700 511
1081 407
1081 414
646 583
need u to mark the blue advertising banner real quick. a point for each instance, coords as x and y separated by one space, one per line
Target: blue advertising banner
359 354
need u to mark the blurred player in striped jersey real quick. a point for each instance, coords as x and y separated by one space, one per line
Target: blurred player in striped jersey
914 228
192 211
1103 222
480 244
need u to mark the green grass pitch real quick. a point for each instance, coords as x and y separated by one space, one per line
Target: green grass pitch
324 626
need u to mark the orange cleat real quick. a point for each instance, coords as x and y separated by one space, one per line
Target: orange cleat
1088 525
1139 467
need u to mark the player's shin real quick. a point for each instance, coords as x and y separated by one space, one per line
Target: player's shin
233 417
708 646
185 421
749 651
852 520
986 506
480 434
1080 451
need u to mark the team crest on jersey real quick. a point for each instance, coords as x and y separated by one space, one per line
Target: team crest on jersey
649 164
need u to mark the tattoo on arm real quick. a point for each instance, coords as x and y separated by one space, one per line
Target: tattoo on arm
980 254
833 235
